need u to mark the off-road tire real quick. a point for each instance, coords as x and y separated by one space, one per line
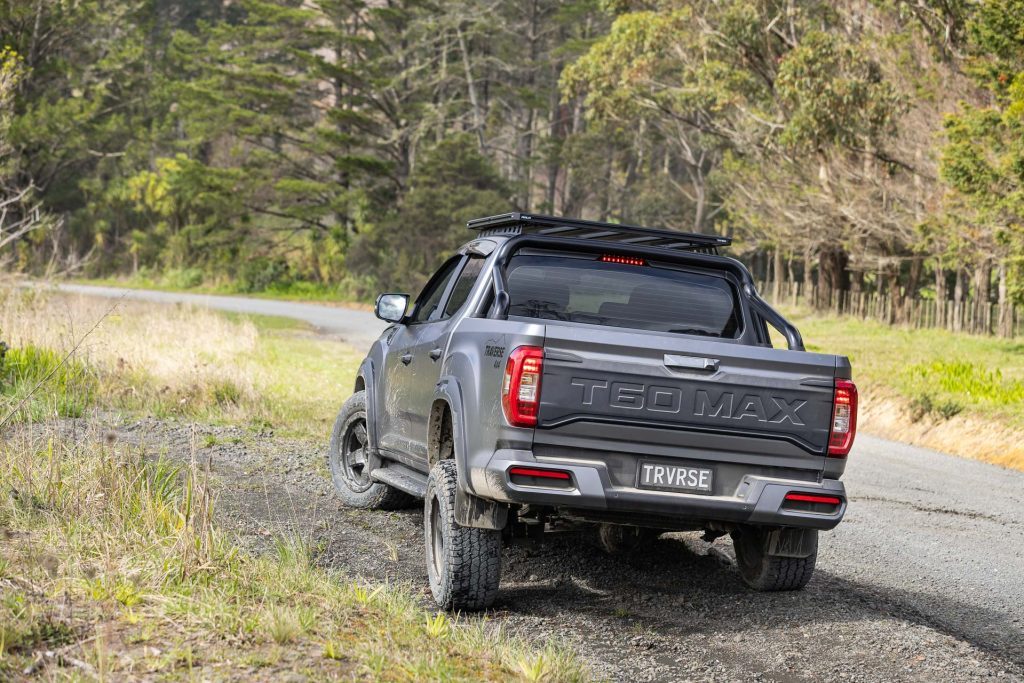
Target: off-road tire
463 563
764 572
355 489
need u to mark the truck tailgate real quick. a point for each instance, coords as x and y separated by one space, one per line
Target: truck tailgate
676 395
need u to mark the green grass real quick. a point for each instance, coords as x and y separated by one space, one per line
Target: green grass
110 560
66 389
941 373
303 380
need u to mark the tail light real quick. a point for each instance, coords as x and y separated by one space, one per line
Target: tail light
844 419
520 392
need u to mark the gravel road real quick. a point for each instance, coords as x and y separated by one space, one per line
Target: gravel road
923 581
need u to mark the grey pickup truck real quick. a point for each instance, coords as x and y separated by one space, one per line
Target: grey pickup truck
560 371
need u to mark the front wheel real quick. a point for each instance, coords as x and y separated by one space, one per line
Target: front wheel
463 563
349 464
765 572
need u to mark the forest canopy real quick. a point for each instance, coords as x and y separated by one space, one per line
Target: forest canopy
859 146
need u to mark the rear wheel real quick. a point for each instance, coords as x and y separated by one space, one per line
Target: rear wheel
765 572
463 563
349 464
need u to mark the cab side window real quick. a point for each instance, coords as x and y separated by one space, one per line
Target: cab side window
463 286
430 297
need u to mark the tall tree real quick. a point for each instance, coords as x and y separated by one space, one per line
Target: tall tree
983 159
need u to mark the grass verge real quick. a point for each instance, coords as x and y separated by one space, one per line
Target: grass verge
170 362
957 393
111 567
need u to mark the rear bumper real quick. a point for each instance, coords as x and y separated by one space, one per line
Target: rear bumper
757 499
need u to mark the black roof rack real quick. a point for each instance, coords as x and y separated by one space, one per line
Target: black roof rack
517 223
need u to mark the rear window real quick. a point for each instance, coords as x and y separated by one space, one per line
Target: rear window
587 290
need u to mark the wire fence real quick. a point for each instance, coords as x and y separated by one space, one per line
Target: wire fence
967 315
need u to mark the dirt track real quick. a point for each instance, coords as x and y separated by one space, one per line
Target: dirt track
906 589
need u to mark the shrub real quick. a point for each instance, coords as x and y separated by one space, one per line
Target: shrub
183 278
258 274
920 406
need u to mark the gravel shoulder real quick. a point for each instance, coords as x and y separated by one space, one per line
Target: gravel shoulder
908 588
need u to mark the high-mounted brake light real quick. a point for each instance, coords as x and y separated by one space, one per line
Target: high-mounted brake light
844 419
520 391
624 260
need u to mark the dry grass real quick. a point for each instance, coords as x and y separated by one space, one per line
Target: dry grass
165 360
172 361
111 569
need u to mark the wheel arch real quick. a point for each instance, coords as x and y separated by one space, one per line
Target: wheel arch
470 511
365 382
447 402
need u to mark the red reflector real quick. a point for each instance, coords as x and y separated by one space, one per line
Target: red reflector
540 474
810 498
624 260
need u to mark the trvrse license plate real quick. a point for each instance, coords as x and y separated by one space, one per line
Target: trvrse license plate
674 477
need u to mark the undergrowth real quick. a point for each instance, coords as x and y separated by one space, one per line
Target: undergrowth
971 381
36 383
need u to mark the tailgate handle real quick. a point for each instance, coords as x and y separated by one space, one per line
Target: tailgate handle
691 362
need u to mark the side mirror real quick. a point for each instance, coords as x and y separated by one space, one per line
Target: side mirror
391 307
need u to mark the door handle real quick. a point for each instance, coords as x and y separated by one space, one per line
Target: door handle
434 354
407 358
691 362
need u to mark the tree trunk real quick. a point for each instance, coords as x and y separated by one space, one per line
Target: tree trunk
792 275
958 300
809 276
556 131
609 176
940 295
895 295
910 293
777 274
1005 305
478 119
982 294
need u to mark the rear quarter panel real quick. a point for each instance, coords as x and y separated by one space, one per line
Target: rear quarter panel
477 352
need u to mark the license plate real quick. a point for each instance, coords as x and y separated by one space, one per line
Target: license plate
675 477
